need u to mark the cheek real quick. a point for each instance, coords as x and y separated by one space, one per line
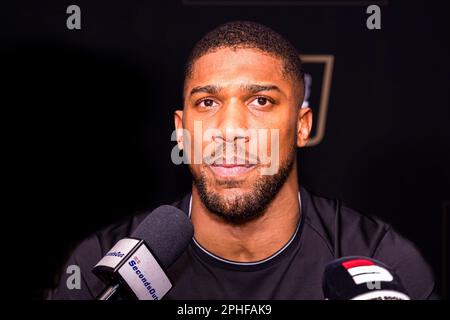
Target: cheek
199 142
288 138
288 127
281 130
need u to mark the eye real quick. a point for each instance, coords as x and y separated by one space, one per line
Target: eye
207 103
260 102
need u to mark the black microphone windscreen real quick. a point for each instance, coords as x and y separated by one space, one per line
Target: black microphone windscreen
167 231
357 277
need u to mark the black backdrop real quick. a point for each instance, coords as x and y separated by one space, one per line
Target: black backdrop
89 114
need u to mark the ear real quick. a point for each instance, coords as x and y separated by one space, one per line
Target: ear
178 119
304 126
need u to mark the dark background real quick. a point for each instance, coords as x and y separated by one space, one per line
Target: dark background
89 113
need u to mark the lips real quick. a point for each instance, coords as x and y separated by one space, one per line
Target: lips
231 170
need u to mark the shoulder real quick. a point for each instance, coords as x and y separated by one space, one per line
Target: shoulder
345 230
89 251
85 256
349 232
102 240
405 258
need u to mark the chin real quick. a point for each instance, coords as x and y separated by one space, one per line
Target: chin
231 194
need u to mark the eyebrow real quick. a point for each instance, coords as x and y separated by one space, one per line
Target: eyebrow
255 88
210 89
250 88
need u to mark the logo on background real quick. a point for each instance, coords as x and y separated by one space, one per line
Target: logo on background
318 74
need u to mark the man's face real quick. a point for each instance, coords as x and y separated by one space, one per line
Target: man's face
229 92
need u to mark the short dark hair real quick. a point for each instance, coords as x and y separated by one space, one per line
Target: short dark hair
247 34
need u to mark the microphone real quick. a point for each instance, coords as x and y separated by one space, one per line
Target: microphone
361 278
137 263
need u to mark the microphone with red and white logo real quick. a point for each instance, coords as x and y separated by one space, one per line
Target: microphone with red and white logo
361 278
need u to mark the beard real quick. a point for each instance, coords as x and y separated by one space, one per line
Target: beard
248 206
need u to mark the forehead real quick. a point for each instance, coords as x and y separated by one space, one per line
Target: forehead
229 67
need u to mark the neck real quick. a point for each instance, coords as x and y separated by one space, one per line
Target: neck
254 240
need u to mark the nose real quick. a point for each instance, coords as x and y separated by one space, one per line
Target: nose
232 123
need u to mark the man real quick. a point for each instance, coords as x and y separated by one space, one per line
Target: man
258 234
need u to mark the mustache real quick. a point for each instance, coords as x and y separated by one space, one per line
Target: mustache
231 153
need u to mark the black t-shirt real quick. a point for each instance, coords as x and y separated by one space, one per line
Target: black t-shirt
327 230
